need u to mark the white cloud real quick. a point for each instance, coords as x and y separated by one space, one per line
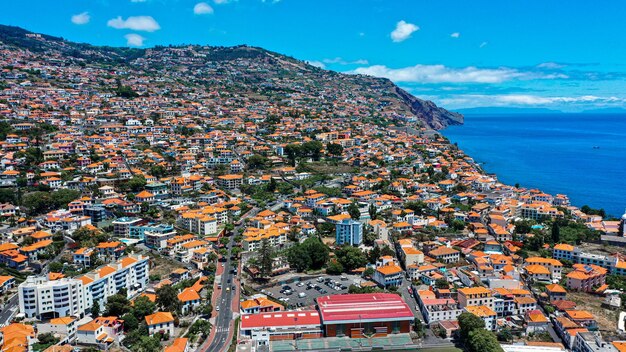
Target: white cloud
403 31
133 39
550 65
444 74
455 35
480 100
136 23
138 0
483 44
81 18
341 61
221 2
316 63
202 8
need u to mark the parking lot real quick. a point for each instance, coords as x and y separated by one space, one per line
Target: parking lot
302 293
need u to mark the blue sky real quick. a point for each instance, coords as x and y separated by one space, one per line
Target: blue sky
520 53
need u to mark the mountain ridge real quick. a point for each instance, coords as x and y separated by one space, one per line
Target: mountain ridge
247 69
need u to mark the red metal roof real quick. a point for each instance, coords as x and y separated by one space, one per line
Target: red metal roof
275 319
363 307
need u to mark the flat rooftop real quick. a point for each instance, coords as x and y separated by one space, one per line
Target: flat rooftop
280 319
365 307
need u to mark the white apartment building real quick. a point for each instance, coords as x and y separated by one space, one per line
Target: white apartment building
129 272
42 299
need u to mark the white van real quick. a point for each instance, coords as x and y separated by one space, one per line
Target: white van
302 294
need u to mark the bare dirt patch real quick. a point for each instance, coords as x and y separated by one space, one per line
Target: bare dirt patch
606 318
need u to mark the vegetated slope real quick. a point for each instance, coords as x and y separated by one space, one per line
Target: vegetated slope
241 70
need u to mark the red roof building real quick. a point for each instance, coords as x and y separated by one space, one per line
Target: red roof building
371 314
270 326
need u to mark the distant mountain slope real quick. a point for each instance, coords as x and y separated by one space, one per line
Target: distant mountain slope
245 70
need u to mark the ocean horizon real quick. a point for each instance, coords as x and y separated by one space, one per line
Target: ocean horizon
581 155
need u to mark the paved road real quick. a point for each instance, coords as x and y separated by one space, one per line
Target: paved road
404 292
222 340
224 302
9 310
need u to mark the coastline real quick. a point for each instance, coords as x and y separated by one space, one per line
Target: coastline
504 145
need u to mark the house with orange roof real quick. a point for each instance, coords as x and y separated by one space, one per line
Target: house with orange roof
33 251
230 182
84 256
17 337
538 273
536 322
586 278
259 304
112 249
554 266
180 344
563 251
387 275
474 296
39 236
145 197
161 322
92 333
12 258
486 314
64 327
189 299
445 254
7 282
60 348
555 292
582 318
619 345
112 326
524 304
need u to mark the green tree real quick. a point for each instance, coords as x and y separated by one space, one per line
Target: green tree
368 272
299 258
130 322
271 186
556 233
266 257
334 149
148 344
95 310
481 340
293 152
318 251
257 161
373 212
469 322
167 298
350 257
353 210
55 267
136 183
418 207
310 254
442 283
117 305
143 306
8 195
334 268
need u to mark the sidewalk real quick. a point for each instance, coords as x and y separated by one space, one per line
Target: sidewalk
218 273
235 308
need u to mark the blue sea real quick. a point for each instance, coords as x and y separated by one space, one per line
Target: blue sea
581 155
